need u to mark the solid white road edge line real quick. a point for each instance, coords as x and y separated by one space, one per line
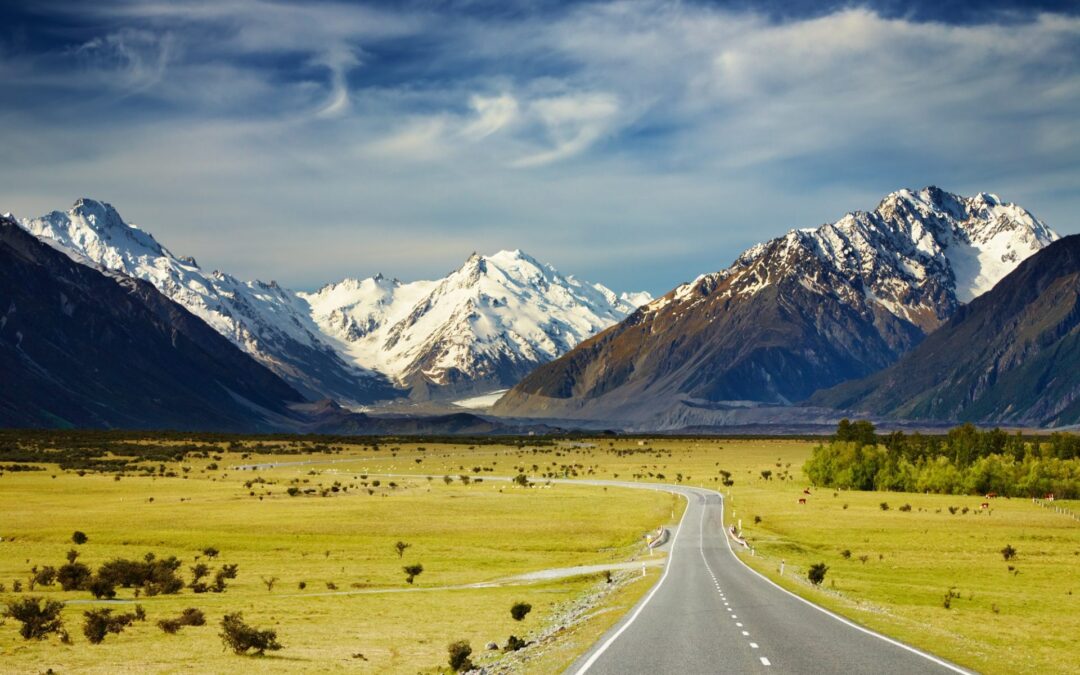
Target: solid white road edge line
846 622
633 617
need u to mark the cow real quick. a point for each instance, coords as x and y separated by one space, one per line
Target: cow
985 505
802 500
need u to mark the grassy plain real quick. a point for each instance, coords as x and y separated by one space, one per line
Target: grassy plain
1000 620
462 535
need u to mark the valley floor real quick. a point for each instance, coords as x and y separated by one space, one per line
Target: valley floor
888 569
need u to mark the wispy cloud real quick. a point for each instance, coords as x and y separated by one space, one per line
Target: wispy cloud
599 135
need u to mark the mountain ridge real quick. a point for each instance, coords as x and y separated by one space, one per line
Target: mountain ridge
437 348
1010 356
803 311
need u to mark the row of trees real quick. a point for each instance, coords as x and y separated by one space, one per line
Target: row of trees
963 461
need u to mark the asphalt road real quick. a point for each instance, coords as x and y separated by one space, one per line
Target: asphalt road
709 613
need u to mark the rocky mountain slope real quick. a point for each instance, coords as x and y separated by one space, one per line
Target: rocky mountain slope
1011 356
793 315
263 319
83 348
483 327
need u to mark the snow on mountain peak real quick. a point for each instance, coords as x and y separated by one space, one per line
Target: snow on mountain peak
263 319
916 255
491 320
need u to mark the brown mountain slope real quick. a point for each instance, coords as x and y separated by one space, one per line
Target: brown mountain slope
1011 356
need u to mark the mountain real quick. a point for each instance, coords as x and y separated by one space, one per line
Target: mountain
267 321
481 328
83 348
1011 356
801 312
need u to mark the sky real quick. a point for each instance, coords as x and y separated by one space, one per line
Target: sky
637 144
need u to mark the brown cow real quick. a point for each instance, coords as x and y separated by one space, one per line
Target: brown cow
802 500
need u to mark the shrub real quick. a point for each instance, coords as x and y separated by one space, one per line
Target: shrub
816 574
100 622
884 506
189 617
846 554
905 507
293 491
514 643
211 552
38 616
79 538
1008 552
412 571
757 519
520 610
73 576
522 480
460 652
950 594
101 588
153 576
400 548
242 638
46 576
766 474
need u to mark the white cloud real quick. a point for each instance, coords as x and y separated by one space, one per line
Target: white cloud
492 114
572 123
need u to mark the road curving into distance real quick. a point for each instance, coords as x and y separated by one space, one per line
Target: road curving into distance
710 613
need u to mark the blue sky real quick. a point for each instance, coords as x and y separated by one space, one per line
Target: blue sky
634 143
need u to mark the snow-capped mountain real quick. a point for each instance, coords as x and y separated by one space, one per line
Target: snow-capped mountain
482 327
269 322
798 313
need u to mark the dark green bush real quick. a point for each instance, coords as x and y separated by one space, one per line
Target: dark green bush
242 638
39 617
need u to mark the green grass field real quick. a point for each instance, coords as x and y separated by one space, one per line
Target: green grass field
999 620
461 534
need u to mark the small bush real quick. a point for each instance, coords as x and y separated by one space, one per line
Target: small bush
845 554
101 588
189 617
412 571
520 610
73 576
400 547
79 538
514 643
242 638
816 574
884 506
905 508
46 576
100 622
1008 552
460 652
950 594
38 617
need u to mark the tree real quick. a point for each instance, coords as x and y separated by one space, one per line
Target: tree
79 538
269 582
766 474
522 480
400 548
1008 552
817 573
520 610
460 652
412 571
38 616
242 638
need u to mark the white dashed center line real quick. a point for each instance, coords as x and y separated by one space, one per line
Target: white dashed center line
765 661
